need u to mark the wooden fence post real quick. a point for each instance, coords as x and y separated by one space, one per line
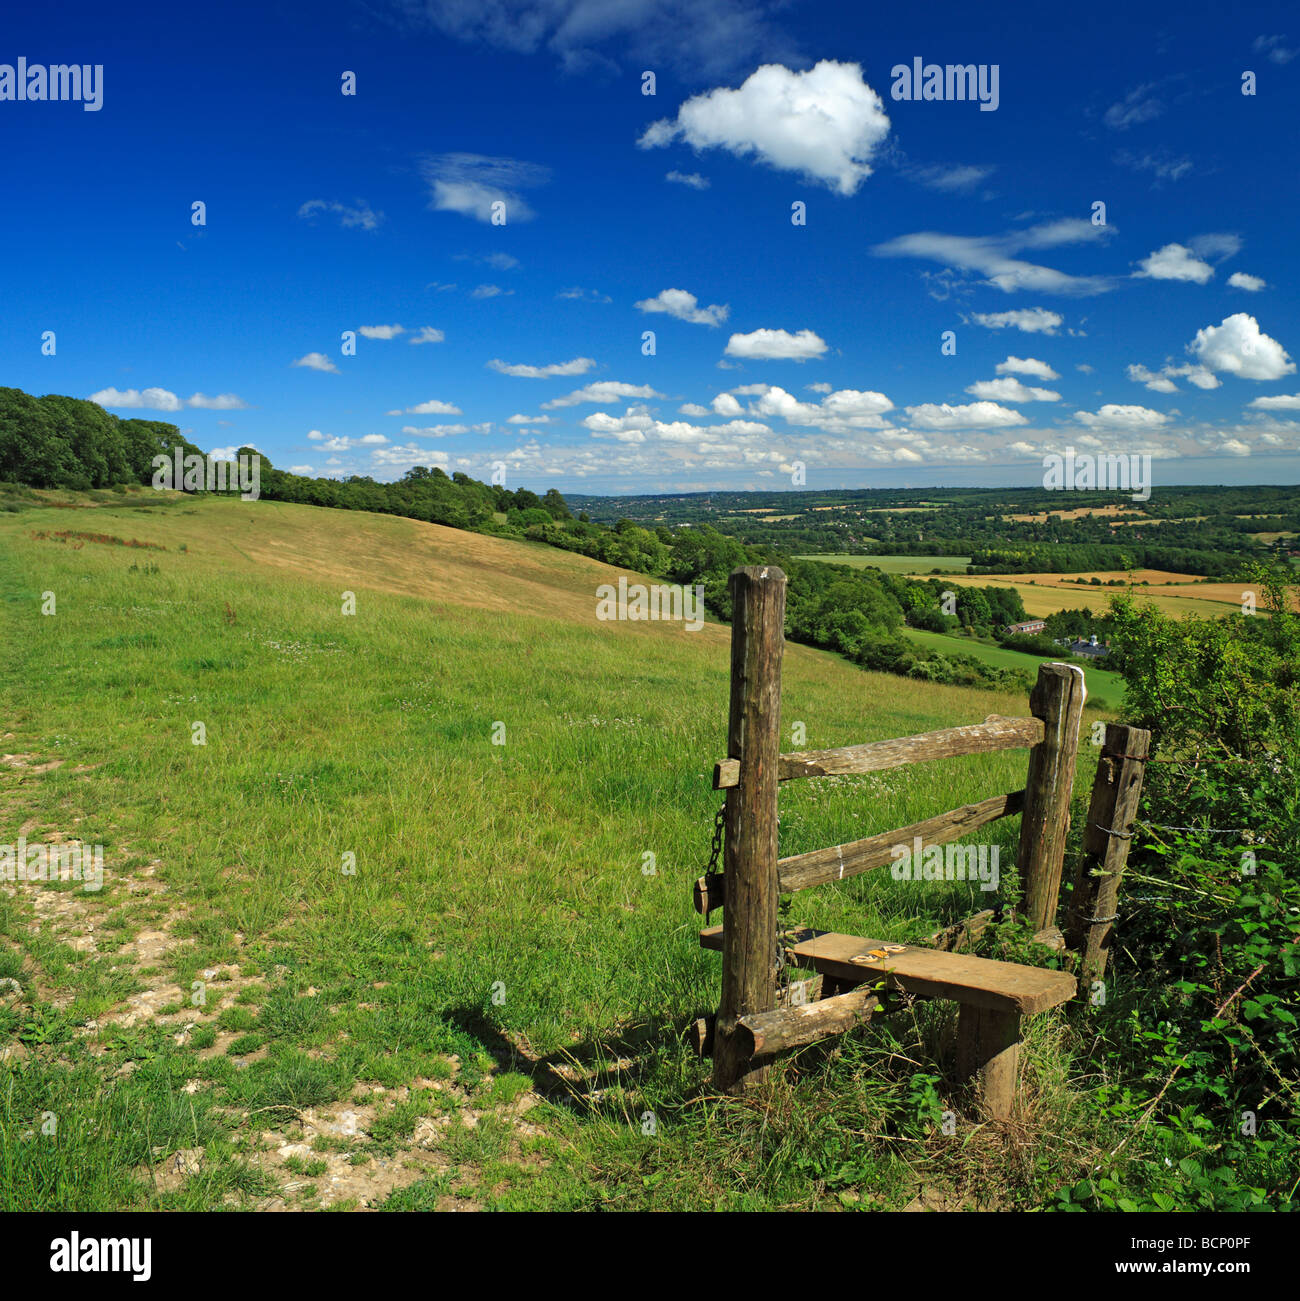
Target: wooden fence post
1057 698
749 939
1106 839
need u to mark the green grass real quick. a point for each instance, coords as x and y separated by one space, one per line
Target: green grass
1105 689
502 918
898 564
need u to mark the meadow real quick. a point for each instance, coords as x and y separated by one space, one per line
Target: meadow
412 927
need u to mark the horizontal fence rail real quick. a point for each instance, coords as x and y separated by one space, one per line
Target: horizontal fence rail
876 756
839 862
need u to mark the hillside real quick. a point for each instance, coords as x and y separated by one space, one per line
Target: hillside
497 991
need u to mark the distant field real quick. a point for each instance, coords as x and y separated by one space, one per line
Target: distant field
1045 594
895 564
1105 689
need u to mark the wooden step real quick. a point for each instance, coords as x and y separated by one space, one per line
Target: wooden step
979 982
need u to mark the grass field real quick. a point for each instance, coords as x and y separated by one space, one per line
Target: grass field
351 951
896 564
1105 690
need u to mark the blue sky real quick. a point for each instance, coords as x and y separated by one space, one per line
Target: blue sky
1169 330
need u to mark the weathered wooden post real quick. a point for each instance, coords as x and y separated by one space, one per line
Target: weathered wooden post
1057 698
1106 839
749 939
988 1054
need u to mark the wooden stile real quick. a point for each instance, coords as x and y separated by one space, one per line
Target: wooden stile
1057 698
750 852
1111 813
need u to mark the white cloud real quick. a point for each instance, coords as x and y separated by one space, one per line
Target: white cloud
584 295
973 415
726 405
693 179
316 361
683 306
1279 402
315 435
301 469
1156 383
1010 389
775 345
427 335
603 392
433 407
1234 447
435 431
1238 347
1029 320
1026 366
1240 280
152 399
1116 416
489 291
530 420
222 402
361 216
953 180
578 366
820 387
380 331
1139 105
694 409
1174 262
825 123
471 184
991 255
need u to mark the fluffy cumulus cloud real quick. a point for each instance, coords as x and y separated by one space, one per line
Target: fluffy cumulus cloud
1117 416
380 331
602 392
427 334
1009 389
776 345
1028 320
824 123
1238 347
520 370
973 415
993 256
1174 262
684 306
316 361
1026 366
470 184
1279 402
1240 280
161 399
